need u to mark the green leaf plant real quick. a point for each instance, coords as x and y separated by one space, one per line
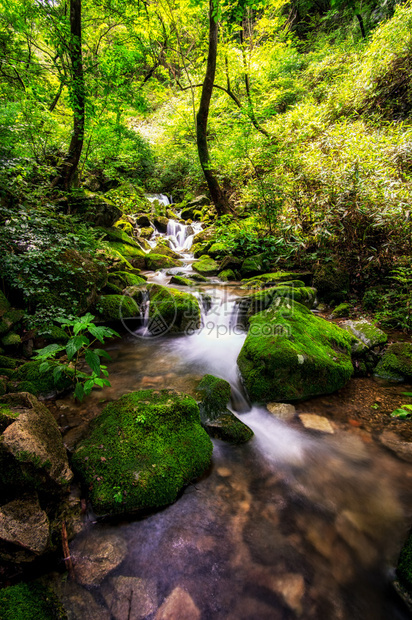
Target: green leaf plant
79 351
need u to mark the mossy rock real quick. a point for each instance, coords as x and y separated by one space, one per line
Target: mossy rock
4 304
134 255
30 601
217 250
280 277
3 390
53 333
214 395
227 275
206 266
396 363
143 220
366 336
9 319
8 362
117 307
172 311
122 279
252 265
260 301
181 281
142 450
197 277
230 262
342 311
205 235
161 223
146 232
154 262
11 340
6 372
28 378
200 249
228 427
164 250
331 282
290 354
117 235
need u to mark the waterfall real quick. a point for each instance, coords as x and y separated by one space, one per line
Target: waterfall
144 330
162 198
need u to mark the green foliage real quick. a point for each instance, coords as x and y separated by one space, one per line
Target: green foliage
79 351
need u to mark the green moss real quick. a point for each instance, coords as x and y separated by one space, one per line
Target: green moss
277 277
404 569
342 311
181 281
30 379
7 417
4 304
30 601
54 333
117 235
201 248
154 262
290 354
142 450
252 265
3 388
133 255
227 275
396 363
172 310
263 299
116 307
217 250
229 428
122 279
10 318
8 362
163 249
198 278
11 340
206 266
214 394
6 372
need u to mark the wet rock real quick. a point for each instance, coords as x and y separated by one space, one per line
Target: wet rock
130 597
95 210
230 263
24 529
96 555
142 220
224 472
369 335
316 423
214 393
179 605
78 603
206 266
160 223
173 311
402 449
348 528
229 428
342 311
283 411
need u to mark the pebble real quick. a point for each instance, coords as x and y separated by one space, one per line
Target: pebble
316 423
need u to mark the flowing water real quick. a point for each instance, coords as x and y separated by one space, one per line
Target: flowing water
290 525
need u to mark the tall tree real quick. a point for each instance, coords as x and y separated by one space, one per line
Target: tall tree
218 196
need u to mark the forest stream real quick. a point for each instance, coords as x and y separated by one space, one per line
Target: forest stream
293 524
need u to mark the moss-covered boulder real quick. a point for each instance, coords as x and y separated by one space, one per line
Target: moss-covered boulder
217 250
122 279
228 427
30 601
8 362
133 255
280 277
143 220
164 249
181 281
206 266
367 343
146 232
257 302
227 275
28 378
11 340
230 262
172 311
117 235
32 454
252 265
205 235
142 450
396 363
154 262
117 307
96 210
290 354
200 249
9 319
161 223
342 311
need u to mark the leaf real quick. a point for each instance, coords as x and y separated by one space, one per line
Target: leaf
44 367
102 382
93 361
407 394
98 332
79 392
75 344
407 407
49 351
57 373
102 353
400 413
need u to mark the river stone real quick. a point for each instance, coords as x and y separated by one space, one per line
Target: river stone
32 447
24 529
291 587
283 411
402 449
79 603
229 428
291 354
130 597
96 555
367 335
161 223
396 363
142 450
206 266
142 220
316 423
179 605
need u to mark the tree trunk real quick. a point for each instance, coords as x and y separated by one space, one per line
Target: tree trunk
70 164
216 192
